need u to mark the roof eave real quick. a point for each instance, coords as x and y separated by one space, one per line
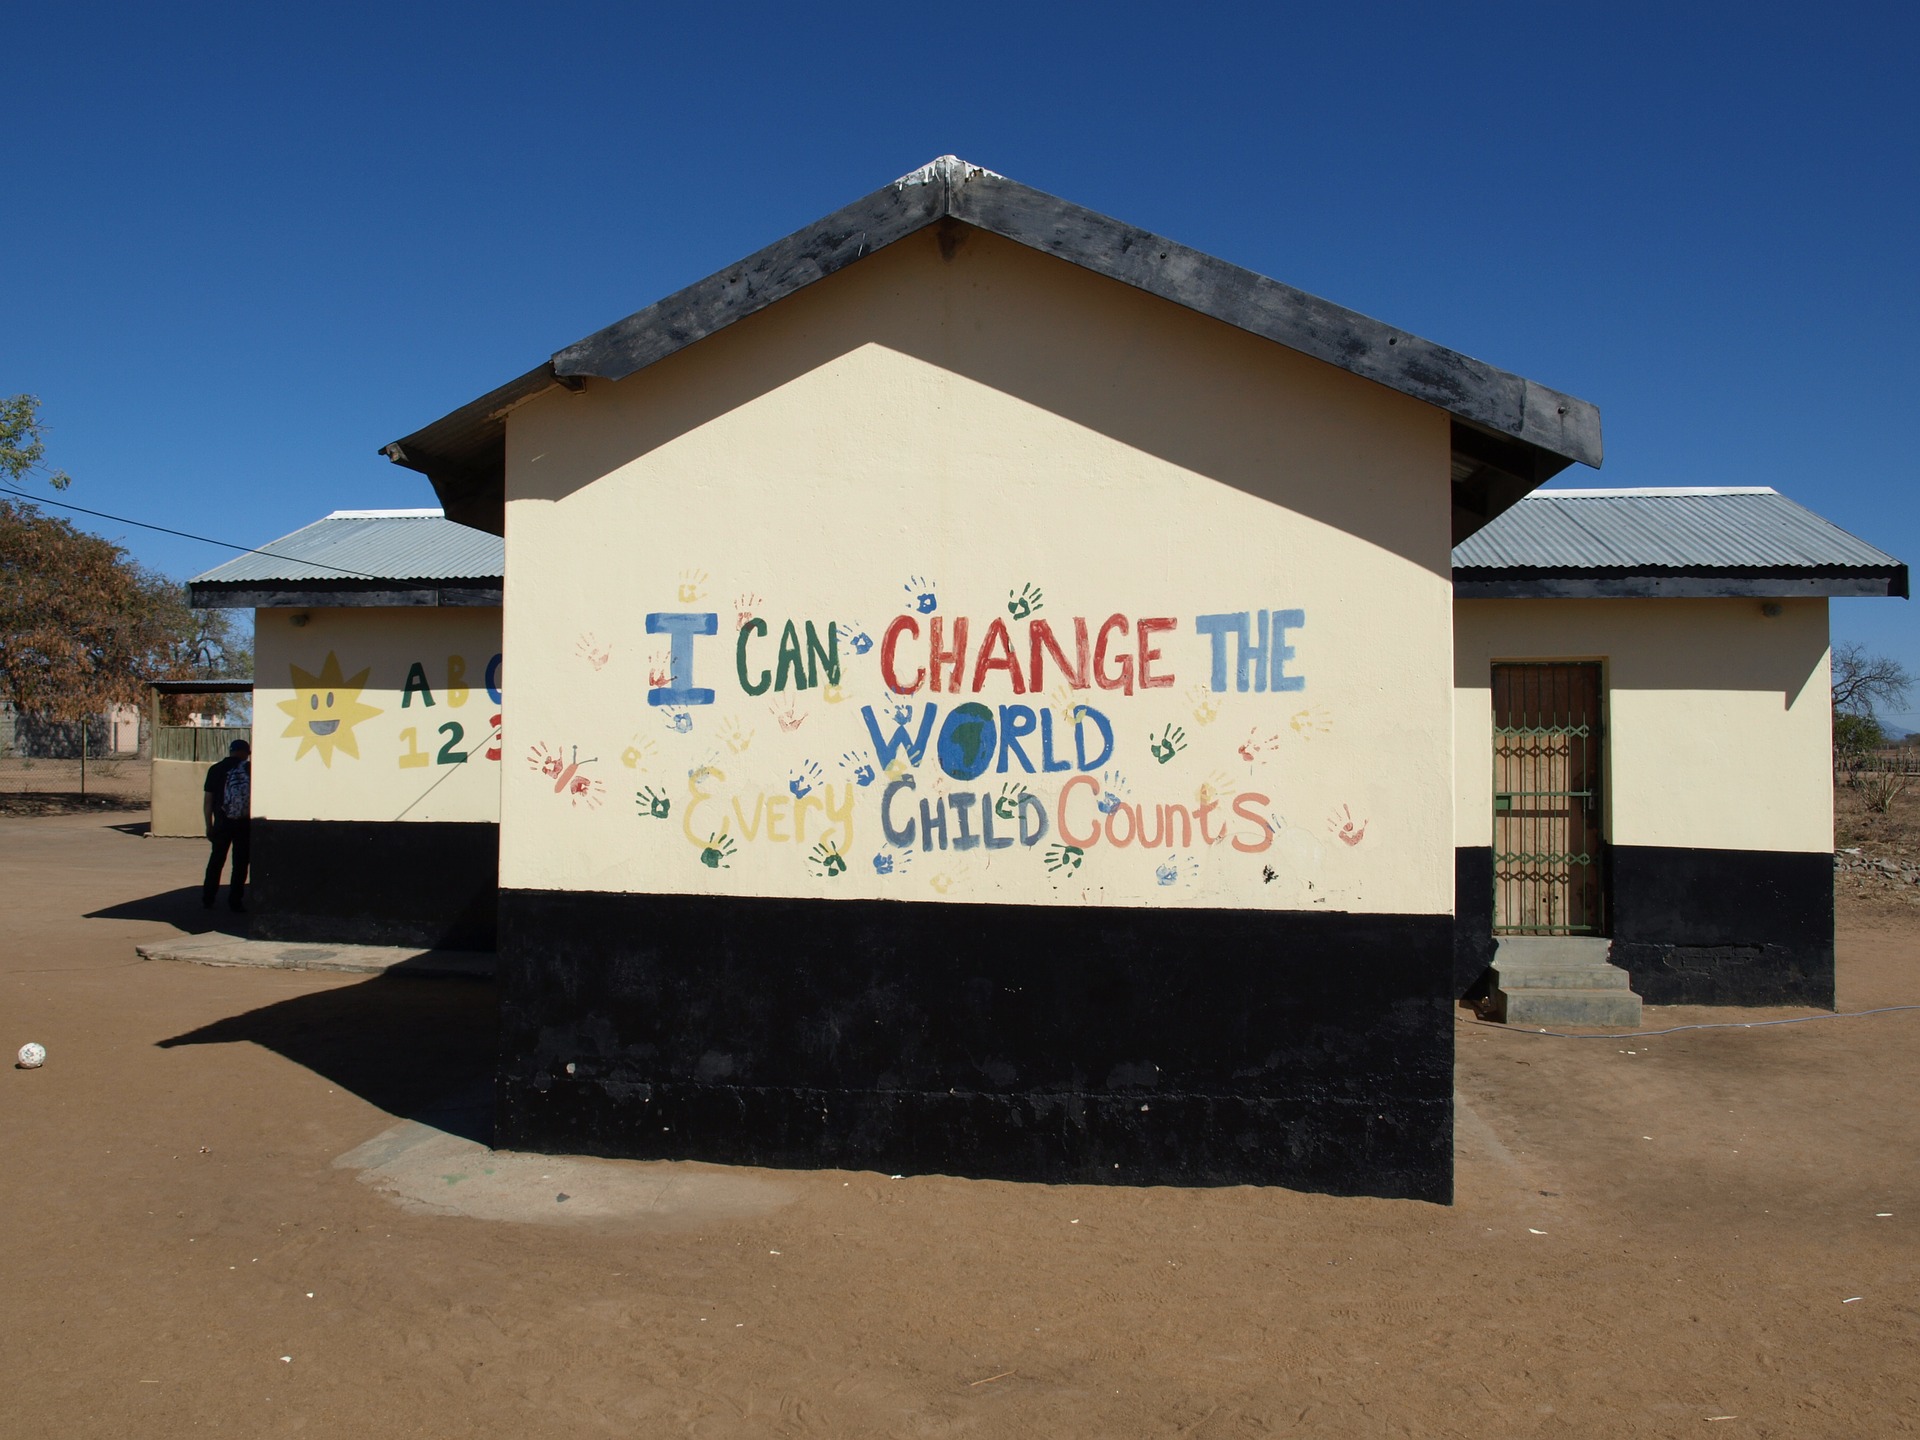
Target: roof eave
1782 582
479 591
463 453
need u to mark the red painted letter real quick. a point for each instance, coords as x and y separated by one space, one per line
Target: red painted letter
887 642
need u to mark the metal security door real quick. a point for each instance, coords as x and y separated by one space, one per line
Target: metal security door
1546 800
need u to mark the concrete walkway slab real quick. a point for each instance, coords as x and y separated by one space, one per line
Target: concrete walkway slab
429 1172
218 949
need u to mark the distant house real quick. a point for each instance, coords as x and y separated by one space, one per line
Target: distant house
118 732
998 691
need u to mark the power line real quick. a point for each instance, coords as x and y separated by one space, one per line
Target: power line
1676 1029
210 540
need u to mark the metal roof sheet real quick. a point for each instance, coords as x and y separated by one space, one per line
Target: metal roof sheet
1665 529
383 545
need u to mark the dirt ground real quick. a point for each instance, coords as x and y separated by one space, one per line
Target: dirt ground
1710 1232
56 787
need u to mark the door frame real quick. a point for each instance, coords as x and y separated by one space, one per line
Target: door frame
1588 867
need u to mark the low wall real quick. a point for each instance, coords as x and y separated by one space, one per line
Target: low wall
177 788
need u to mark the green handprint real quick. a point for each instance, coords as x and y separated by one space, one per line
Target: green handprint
1008 805
1025 603
1171 742
652 805
719 850
1065 857
827 856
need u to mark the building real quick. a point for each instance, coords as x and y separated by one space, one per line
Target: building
1643 737
986 683
376 744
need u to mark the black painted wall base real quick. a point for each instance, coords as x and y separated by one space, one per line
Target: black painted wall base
1692 927
1724 927
1130 1046
1472 919
426 884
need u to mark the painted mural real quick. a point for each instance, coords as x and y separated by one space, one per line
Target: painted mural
325 708
917 753
389 715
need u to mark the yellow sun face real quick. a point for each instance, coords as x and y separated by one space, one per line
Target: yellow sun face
324 710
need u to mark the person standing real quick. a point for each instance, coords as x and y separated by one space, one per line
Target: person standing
226 806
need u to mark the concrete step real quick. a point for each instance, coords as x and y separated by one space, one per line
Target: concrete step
1613 1009
1553 949
1561 980
1561 977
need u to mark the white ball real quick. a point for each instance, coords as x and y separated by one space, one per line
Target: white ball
32 1056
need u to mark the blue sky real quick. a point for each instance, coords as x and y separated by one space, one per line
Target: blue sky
251 244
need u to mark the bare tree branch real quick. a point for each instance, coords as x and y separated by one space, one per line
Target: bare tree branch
1862 683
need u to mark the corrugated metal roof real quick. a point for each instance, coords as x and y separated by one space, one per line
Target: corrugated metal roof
371 545
1677 529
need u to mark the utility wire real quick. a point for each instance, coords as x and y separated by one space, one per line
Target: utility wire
209 540
1676 1029
492 735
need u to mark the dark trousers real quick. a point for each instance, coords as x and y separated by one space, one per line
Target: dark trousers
236 835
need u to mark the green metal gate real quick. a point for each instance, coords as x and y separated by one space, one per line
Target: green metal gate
1547 800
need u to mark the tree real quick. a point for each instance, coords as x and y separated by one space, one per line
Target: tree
21 446
1861 683
82 627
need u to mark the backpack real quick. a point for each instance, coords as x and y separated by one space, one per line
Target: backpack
236 794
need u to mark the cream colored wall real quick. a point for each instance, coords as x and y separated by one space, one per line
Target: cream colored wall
176 804
964 427
1718 717
389 755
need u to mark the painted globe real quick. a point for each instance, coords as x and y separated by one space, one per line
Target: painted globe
967 741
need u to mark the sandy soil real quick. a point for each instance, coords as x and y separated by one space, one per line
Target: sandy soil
234 1202
52 787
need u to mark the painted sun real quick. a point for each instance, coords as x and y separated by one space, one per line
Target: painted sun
324 710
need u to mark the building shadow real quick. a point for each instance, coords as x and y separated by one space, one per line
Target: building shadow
418 1048
179 908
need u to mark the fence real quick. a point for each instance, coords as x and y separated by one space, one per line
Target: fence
203 744
1896 760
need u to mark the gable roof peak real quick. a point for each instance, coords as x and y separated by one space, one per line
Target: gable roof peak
944 170
1510 434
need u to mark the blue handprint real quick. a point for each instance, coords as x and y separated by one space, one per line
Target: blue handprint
860 765
1168 872
920 594
1111 784
883 864
803 778
857 638
679 721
